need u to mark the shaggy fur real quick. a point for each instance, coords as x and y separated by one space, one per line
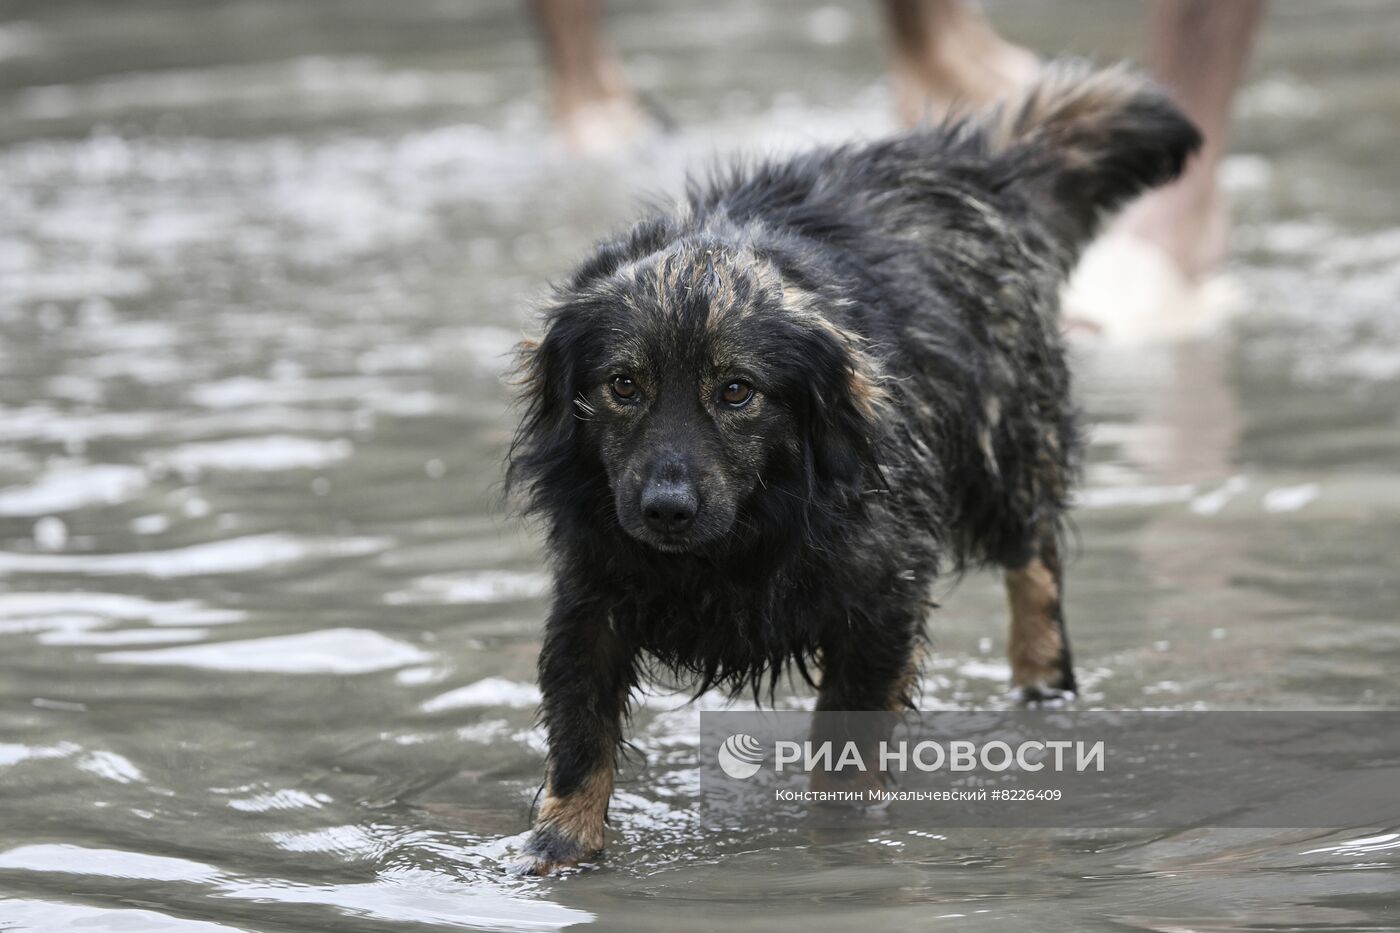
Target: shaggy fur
892 309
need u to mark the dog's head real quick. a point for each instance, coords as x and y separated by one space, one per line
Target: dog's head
709 391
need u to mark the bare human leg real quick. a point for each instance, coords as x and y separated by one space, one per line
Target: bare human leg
1042 672
944 55
594 109
1197 49
1152 276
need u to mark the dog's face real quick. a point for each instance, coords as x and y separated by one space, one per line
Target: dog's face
686 418
698 382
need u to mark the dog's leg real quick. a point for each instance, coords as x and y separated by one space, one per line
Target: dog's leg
1041 670
585 676
873 680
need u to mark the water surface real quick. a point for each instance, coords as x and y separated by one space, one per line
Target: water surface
269 638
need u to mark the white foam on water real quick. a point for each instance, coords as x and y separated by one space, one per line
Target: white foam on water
1212 502
638 812
1290 498
535 739
50 533
1118 497
411 896
107 765
986 670
284 799
68 486
117 606
13 754
492 691
496 849
152 524
236 555
25 915
1245 173
1363 845
487 586
65 706
126 636
1374 364
330 651
111 766
42 422
485 732
273 452
81 279
1280 96
491 349
344 840
394 357
17 461
108 863
411 676
61 622
398 896
296 390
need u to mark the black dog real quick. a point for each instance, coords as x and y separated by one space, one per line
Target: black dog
758 428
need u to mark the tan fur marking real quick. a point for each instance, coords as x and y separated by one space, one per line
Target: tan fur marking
868 395
906 690
527 371
580 816
1064 97
715 270
1036 642
865 378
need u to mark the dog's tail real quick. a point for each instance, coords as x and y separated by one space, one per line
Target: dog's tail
1084 142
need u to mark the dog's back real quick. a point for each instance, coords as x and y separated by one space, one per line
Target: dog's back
1072 148
945 250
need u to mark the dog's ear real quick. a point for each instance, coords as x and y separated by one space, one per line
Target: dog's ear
847 410
544 442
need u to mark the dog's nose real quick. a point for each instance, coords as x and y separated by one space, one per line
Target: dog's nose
669 507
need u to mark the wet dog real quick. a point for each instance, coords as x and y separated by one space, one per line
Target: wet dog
757 428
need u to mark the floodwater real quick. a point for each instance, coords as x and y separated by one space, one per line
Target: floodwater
267 637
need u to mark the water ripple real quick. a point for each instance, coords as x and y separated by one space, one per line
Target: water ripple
235 555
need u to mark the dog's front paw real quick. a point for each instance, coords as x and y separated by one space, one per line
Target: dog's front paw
550 852
1042 697
528 866
861 790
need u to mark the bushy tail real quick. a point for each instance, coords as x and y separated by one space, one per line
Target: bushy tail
1087 141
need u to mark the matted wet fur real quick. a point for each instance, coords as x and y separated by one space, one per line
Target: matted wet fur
757 428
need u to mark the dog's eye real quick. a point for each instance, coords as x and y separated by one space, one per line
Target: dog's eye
623 387
736 394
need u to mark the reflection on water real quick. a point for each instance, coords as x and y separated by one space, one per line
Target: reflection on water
269 639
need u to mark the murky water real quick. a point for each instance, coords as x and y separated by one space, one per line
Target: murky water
268 638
